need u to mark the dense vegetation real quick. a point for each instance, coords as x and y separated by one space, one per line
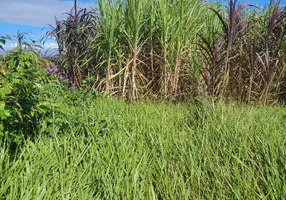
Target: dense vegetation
105 149
200 77
177 49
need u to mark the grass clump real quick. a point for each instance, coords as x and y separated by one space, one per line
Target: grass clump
111 150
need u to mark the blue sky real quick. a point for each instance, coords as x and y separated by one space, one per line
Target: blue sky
33 16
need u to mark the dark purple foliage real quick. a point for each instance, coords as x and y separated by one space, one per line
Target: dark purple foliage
246 60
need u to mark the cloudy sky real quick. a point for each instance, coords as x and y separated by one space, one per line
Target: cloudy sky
32 16
35 12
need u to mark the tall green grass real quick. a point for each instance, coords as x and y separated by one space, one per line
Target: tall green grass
106 149
142 45
177 49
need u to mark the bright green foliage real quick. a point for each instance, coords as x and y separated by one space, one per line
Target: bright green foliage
4 113
110 37
110 150
19 94
20 60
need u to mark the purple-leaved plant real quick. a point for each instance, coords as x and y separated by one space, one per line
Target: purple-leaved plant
59 75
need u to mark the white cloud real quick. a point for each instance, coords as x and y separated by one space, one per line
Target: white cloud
35 12
50 45
10 46
13 45
49 48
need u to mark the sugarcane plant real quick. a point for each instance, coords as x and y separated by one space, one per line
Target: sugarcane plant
74 36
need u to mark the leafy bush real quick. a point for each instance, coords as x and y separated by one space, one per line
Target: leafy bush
20 87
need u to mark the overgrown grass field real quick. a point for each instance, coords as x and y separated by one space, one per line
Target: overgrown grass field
107 149
124 107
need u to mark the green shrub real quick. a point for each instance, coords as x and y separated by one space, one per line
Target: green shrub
20 86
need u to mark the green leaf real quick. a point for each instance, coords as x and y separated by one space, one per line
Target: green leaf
2 105
3 41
